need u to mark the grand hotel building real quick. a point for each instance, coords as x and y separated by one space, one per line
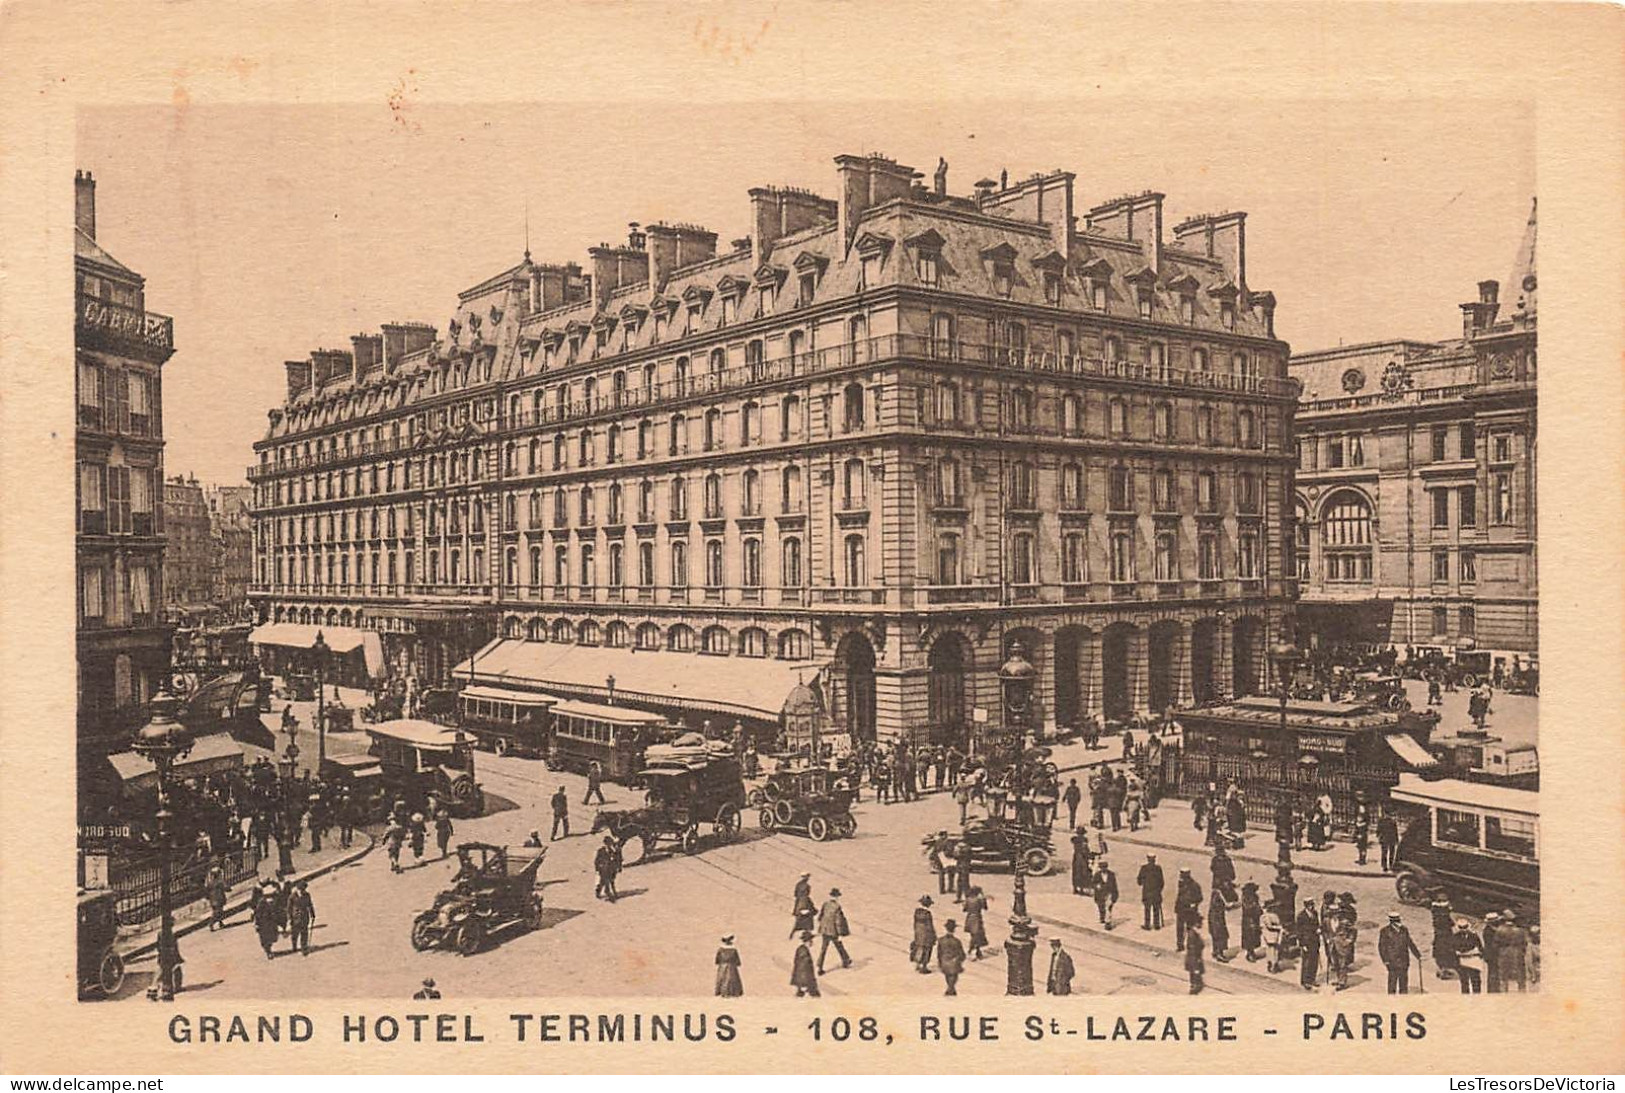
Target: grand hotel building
872 446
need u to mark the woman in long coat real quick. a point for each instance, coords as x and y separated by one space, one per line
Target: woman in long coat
803 909
729 985
1218 926
1080 864
975 924
266 921
804 976
1252 920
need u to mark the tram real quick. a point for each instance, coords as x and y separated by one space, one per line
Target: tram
615 737
1479 842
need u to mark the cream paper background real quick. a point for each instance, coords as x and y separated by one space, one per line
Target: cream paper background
915 57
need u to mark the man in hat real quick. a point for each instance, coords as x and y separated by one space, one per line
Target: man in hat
832 926
1061 969
534 839
266 921
802 976
427 993
1081 858
1469 958
607 863
962 871
1492 939
1150 880
925 937
1511 948
802 906
301 916
1362 829
729 985
1072 798
1387 840
1187 907
1395 949
940 846
951 956
1444 934
442 832
1223 868
595 783
561 815
1105 892
1308 936
1195 947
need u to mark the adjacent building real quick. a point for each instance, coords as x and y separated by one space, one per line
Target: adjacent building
119 348
1415 504
231 521
190 558
877 444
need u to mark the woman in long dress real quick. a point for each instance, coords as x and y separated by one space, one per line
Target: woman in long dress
729 985
975 924
1218 926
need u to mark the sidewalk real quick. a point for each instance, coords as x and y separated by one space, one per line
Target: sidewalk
1172 830
143 939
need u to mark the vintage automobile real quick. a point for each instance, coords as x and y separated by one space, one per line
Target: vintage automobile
101 968
688 783
494 888
1478 841
1383 691
993 841
424 763
300 686
362 777
813 801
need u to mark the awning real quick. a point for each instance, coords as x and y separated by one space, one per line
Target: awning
209 755
738 686
1410 752
502 694
340 639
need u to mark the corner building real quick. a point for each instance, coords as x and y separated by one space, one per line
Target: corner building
883 438
1415 506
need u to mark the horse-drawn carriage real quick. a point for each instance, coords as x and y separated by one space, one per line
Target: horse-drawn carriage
812 800
687 784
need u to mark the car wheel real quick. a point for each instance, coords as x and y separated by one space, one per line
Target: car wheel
728 821
1469 680
756 798
110 976
634 848
550 762
818 828
848 826
423 933
501 745
691 840
1037 861
783 812
765 818
1408 887
469 938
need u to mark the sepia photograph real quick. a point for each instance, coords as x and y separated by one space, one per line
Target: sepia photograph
811 539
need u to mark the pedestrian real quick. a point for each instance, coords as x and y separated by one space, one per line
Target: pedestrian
1061 969
347 819
1223 871
1387 840
1492 963
962 795
1218 925
316 822
595 783
606 862
1194 964
442 832
1071 798
940 846
962 871
1511 948
1187 907
1134 802
1362 830
418 828
801 906
1308 938
1444 934
1105 892
832 927
1252 921
301 917
951 956
533 840
925 937
1340 951
729 985
1199 810
1150 880
394 837
1469 958
215 885
976 922
1116 794
1271 934
266 925
561 816
427 993
802 975
1395 949
1081 871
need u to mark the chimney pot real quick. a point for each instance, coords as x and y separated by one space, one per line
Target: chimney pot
84 202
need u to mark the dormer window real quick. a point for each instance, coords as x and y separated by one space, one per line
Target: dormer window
927 268
1004 279
1096 277
1187 310
730 309
1052 268
1052 289
1000 261
872 250
809 270
806 285
1225 293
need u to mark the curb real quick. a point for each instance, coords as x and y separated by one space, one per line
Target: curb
1298 866
241 902
1277 985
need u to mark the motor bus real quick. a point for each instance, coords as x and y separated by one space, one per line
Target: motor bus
506 721
613 736
1479 842
426 764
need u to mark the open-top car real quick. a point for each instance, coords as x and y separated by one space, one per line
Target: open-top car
993 841
494 888
811 800
687 784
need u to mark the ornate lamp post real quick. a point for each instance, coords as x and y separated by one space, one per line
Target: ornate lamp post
320 648
1016 677
1018 949
163 740
1286 657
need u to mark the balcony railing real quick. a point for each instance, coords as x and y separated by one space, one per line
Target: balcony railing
124 326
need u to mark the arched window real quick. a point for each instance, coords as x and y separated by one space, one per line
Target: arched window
589 567
853 491
855 556
713 496
753 642
713 563
617 635
646 565
617 565
536 630
679 498
713 429
588 507
680 639
750 423
714 641
680 376
587 633
751 563
510 567
613 441
1072 415
1300 538
647 636
790 489
751 490
852 410
561 566
616 516
679 565
618 388
561 508
646 438
1346 537
677 439
589 391
719 364
789 417
534 464
535 567
563 632
790 564
646 501
558 452
587 448
794 645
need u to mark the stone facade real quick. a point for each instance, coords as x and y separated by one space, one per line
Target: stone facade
891 435
191 561
1416 505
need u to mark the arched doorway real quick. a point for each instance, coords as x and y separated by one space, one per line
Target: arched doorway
950 662
1116 700
1204 639
1164 666
1070 643
855 661
1244 656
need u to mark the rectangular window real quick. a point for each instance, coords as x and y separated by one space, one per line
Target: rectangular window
1441 508
1467 503
1469 441
1502 498
1468 621
118 500
805 288
91 582
1356 452
1441 566
1469 567
1503 448
1441 622
1440 434
1510 835
1122 556
140 592
926 268
1457 828
92 498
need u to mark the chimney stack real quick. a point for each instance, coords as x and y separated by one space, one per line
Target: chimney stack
671 247
867 181
84 202
1222 236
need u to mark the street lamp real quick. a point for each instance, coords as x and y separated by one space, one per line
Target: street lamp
1018 949
320 648
163 740
1016 677
1286 656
